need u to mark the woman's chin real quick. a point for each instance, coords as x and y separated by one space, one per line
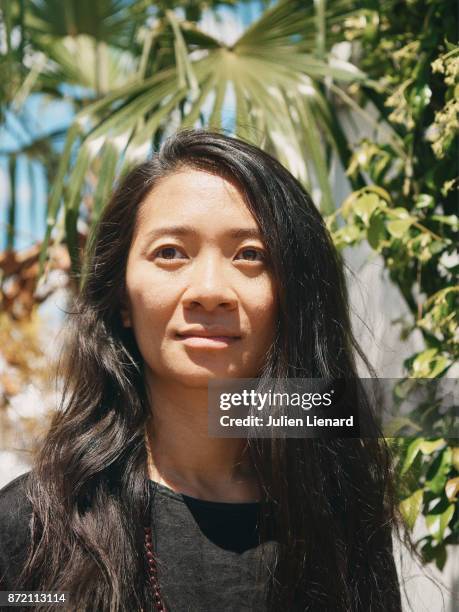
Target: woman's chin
201 378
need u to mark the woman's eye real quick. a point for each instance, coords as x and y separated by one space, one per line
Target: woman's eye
252 255
167 253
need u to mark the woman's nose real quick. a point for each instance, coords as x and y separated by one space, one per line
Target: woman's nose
209 285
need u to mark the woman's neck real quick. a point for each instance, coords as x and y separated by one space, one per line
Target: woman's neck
182 456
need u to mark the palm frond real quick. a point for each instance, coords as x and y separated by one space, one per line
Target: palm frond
278 71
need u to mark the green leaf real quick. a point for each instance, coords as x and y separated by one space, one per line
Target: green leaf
72 206
452 220
151 125
348 234
365 206
421 364
185 71
195 111
438 472
437 522
399 213
108 20
427 447
429 364
56 194
106 177
440 557
424 200
399 228
413 449
434 553
411 507
436 246
215 119
309 125
376 230
321 27
12 206
441 363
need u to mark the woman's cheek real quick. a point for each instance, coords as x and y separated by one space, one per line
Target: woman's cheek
262 304
150 297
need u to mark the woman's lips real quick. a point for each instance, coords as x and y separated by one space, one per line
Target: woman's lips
213 342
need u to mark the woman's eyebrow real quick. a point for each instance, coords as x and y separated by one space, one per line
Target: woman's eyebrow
176 230
188 230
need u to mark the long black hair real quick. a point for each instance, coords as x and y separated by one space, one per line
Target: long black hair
330 501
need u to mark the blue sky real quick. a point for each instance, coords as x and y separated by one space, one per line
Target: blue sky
42 117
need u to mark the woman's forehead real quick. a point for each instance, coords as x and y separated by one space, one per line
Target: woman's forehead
194 196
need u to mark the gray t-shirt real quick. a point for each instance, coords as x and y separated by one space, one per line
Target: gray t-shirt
208 553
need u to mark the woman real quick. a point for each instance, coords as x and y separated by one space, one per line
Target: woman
210 261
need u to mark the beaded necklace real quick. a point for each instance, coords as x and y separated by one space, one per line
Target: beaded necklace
153 571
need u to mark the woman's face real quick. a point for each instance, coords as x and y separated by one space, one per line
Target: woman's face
200 295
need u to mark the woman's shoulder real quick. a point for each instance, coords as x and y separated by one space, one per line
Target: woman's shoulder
14 503
15 515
